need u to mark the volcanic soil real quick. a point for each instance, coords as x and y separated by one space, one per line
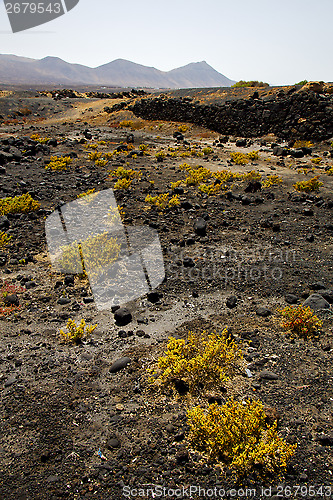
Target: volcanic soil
73 429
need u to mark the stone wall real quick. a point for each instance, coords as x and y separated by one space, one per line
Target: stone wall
300 115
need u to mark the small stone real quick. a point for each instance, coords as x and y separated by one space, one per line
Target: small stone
4 222
316 302
170 428
123 316
154 297
318 285
263 311
268 375
200 227
120 364
231 302
310 238
325 439
30 284
10 381
308 212
63 301
188 262
113 443
88 300
290 298
11 300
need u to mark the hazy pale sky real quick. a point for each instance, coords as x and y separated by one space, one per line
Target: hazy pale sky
277 41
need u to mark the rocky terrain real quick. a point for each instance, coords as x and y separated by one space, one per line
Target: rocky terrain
76 425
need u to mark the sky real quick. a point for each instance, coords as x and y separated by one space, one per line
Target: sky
277 41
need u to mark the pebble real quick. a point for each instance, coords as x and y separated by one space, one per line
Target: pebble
123 316
231 302
290 298
263 311
268 375
63 301
119 364
10 381
316 302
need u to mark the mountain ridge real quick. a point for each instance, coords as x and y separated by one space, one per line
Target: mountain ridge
53 70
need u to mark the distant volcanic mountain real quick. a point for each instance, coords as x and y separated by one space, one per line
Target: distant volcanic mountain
118 73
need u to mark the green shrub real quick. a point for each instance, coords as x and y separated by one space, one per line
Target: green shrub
250 83
236 435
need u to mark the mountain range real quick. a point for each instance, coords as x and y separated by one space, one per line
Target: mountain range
119 73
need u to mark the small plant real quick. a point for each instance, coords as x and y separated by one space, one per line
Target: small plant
253 175
308 186
197 175
160 156
18 204
94 155
115 215
330 171
176 184
101 163
237 435
253 155
94 255
316 161
59 163
131 124
210 189
303 144
76 333
302 82
162 201
4 239
300 320
183 128
250 83
87 193
239 158
207 151
204 360
7 289
271 180
122 184
38 138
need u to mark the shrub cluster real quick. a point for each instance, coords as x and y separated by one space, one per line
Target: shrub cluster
18 204
236 435
300 320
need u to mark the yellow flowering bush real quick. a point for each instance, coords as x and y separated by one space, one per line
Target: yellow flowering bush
75 333
236 435
271 180
4 239
58 163
18 204
162 201
300 320
96 253
205 358
38 138
308 186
